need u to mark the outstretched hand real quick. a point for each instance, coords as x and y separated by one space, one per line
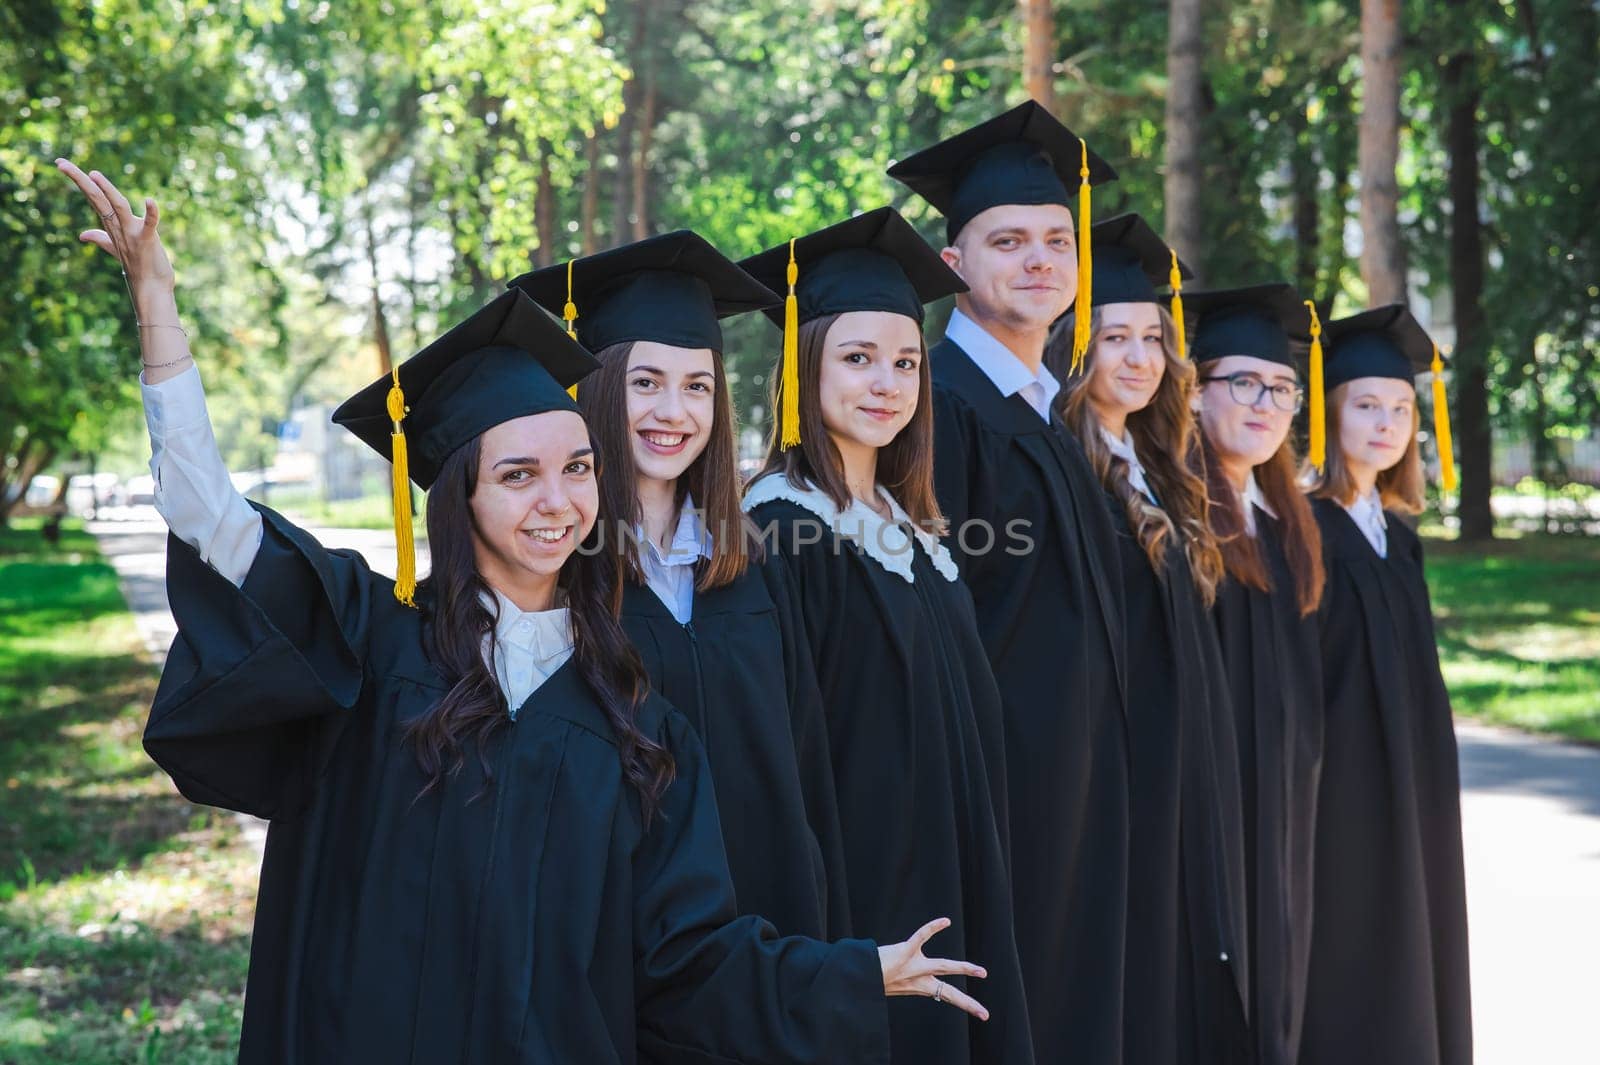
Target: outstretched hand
907 972
131 239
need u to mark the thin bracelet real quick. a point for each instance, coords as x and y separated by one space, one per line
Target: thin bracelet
158 325
164 365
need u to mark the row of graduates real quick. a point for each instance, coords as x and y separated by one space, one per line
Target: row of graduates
1032 629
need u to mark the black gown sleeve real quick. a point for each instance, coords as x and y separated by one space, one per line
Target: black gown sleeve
813 756
251 697
713 989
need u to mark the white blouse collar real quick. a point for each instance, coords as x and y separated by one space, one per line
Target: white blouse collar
544 634
1253 498
881 539
1122 448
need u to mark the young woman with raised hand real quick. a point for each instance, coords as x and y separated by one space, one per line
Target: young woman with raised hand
488 842
1129 406
1389 919
694 600
846 509
1245 351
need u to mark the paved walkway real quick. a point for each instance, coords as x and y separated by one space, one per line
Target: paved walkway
1530 807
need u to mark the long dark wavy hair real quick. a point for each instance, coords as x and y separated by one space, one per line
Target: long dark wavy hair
456 620
1166 435
905 464
712 479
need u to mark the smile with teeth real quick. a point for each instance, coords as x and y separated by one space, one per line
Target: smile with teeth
549 536
667 440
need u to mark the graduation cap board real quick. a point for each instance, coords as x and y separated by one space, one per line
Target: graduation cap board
1131 262
672 289
1024 156
507 360
1389 342
872 262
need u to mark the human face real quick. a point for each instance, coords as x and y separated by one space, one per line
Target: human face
1020 262
868 385
1244 435
1126 362
1377 417
534 502
671 406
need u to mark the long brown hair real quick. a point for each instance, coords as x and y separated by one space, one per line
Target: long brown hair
905 464
712 479
1302 538
1168 442
1400 486
456 622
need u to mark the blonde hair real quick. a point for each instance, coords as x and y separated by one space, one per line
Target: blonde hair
1399 487
1166 435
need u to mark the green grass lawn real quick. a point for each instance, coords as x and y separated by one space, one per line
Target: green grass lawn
1519 631
124 910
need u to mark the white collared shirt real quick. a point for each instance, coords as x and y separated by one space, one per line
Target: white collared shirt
1122 448
199 503
1001 366
671 575
1367 512
526 647
1253 498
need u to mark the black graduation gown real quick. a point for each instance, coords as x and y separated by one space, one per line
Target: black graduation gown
1389 977
1187 970
539 922
913 722
1274 664
1051 617
748 687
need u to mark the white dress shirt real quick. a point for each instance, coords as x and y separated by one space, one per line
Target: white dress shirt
670 574
1367 512
1000 365
1253 499
1122 448
198 501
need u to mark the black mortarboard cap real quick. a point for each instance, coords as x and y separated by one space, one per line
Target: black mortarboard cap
1023 156
1383 342
1262 321
872 262
1131 262
671 289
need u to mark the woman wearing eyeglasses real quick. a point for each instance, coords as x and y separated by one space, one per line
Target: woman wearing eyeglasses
1129 404
1249 392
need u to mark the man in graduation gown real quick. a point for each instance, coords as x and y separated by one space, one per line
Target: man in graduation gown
1035 544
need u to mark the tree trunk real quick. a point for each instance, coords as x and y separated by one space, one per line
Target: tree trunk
622 191
380 322
1303 174
1383 265
591 193
1039 52
1185 120
544 211
645 51
1469 361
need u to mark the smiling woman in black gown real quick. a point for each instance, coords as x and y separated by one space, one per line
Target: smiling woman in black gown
487 841
913 713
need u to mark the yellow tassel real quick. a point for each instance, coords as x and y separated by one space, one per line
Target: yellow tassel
1441 426
1180 338
790 387
405 579
570 314
1317 452
1080 322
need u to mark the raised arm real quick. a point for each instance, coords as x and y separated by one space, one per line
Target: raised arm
194 494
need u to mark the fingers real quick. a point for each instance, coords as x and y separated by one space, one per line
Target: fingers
927 932
151 214
954 996
100 239
121 209
91 191
950 967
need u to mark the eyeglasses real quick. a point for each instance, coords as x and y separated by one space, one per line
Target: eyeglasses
1247 390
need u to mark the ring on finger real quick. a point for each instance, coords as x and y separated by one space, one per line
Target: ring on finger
107 218
938 991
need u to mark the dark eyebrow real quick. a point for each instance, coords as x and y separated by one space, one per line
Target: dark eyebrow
857 344
529 460
662 373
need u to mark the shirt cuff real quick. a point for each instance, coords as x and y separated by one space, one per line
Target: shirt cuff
175 404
